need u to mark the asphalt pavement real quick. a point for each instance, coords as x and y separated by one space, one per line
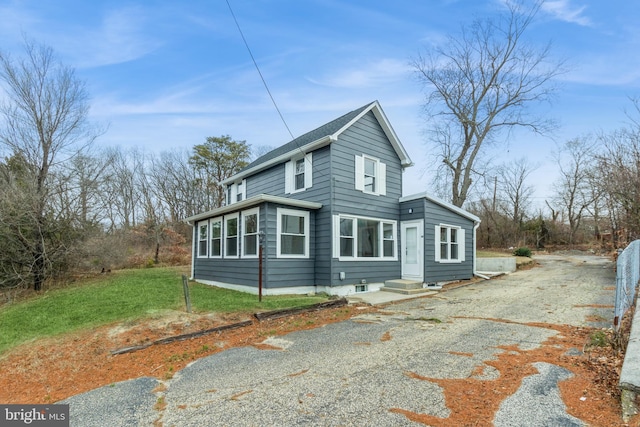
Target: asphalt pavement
346 374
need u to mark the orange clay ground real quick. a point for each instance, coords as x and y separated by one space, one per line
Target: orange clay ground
53 369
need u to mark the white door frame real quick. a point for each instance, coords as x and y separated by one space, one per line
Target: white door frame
414 271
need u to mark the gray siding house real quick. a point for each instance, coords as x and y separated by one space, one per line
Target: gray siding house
327 213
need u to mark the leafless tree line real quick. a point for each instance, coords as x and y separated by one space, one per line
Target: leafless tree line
68 206
595 200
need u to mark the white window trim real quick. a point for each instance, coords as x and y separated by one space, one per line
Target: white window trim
290 174
292 212
461 244
232 192
355 257
206 239
226 236
381 175
211 221
256 212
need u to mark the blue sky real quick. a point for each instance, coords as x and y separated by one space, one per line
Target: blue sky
166 74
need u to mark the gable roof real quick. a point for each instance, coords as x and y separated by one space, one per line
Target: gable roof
321 136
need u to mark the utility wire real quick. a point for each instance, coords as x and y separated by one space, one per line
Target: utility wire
259 72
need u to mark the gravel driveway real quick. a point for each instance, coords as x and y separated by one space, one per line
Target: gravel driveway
354 372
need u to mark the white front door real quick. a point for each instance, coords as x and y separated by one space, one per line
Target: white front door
412 246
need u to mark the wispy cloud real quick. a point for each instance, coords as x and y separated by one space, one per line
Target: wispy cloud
369 74
565 11
120 37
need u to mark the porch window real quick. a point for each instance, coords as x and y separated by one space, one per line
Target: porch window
216 238
293 233
364 238
449 241
250 230
231 236
203 236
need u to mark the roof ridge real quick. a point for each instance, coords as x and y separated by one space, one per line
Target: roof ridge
326 129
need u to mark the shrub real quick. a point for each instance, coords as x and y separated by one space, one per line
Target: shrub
522 252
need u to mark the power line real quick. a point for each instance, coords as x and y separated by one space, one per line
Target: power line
259 72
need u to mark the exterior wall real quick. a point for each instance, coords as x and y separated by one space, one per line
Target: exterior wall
334 186
238 271
434 214
286 272
276 273
364 137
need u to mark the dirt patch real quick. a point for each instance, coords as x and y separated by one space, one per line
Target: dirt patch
51 370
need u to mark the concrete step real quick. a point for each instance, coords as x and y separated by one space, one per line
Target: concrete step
406 291
403 284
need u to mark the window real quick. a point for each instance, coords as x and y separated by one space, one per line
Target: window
388 240
240 191
370 168
293 233
231 236
358 238
202 239
371 175
216 238
298 174
449 243
250 233
236 192
346 237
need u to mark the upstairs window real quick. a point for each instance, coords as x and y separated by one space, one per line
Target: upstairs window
449 241
370 168
370 175
298 174
236 192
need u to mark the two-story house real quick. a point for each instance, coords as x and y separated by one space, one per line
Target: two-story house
328 211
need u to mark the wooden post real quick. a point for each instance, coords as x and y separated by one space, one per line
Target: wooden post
260 273
185 288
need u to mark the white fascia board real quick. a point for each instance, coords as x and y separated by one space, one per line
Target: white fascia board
446 205
252 201
325 140
405 161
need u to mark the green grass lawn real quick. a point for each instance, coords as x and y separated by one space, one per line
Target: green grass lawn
122 296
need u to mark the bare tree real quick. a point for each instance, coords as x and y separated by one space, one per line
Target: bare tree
45 123
618 177
574 194
515 190
480 84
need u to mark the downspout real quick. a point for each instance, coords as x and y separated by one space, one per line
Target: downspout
475 273
193 254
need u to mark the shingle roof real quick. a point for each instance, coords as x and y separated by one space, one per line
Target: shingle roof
314 135
321 136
